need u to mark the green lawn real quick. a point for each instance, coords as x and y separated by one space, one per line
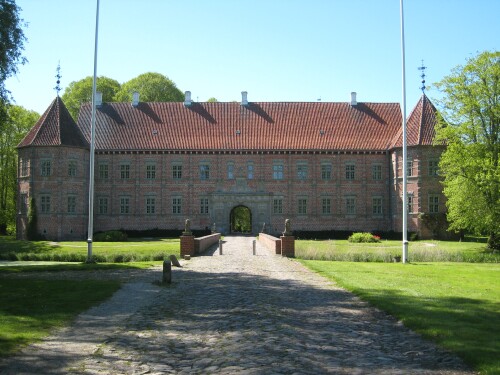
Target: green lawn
31 308
384 251
132 250
457 305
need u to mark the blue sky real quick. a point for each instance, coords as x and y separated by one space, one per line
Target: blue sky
277 50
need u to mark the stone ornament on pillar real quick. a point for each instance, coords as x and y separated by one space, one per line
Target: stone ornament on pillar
288 228
187 228
187 240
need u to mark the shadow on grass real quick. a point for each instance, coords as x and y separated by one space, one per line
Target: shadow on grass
30 308
468 327
9 245
70 267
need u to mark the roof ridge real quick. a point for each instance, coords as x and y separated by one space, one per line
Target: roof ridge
58 117
421 123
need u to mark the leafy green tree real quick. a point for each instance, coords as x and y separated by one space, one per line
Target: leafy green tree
11 46
152 87
471 130
79 92
212 100
19 122
242 220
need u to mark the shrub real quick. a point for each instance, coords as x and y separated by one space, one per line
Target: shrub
110 236
363 237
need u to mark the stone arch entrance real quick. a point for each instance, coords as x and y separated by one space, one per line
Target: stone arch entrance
240 220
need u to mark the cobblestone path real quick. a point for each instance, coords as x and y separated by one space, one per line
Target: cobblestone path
234 314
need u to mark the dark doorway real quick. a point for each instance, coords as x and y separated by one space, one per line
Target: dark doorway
241 220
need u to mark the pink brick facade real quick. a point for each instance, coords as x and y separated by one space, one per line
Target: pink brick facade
318 189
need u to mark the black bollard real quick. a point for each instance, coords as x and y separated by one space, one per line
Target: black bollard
167 272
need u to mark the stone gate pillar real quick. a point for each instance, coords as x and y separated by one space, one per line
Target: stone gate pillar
187 240
288 241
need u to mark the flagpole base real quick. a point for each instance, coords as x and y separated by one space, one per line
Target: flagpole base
405 252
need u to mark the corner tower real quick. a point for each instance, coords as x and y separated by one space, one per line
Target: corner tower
52 174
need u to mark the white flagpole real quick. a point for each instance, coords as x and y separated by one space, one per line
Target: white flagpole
92 146
403 109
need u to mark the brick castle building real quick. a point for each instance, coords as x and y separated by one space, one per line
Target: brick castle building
325 166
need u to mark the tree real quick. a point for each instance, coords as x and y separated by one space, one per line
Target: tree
471 129
19 122
212 100
79 92
11 46
152 87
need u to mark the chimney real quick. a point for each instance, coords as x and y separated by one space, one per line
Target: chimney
353 98
187 98
98 99
135 99
244 100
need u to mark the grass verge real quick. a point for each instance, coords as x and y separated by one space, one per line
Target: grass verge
385 251
135 250
31 308
455 305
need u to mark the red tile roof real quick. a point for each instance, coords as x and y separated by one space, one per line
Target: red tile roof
419 125
55 127
231 126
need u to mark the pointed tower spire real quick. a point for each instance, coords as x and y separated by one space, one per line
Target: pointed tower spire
422 68
58 76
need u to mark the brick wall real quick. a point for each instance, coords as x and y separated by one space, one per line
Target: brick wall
272 243
155 199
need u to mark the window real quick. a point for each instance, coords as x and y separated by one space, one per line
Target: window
376 172
46 168
433 167
302 171
150 205
250 171
204 171
326 171
409 168
433 204
176 205
326 206
150 171
409 203
176 171
103 171
302 206
349 171
278 172
277 206
45 204
24 167
230 171
72 169
125 171
350 205
102 205
377 206
203 206
124 205
23 203
71 204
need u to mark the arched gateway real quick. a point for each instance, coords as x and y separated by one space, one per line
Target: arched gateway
240 220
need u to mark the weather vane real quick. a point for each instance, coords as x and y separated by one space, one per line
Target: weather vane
58 76
422 68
